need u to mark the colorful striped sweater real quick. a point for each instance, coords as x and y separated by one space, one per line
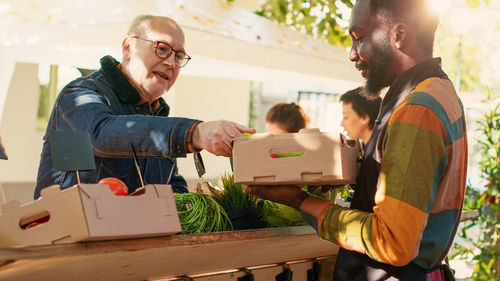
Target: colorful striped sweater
420 188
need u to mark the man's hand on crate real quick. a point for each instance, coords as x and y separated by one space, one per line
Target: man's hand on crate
216 136
290 195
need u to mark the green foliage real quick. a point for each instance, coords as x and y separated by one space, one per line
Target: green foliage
480 249
484 249
490 145
319 18
474 3
200 213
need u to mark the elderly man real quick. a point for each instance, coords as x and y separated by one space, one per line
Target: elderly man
410 189
120 105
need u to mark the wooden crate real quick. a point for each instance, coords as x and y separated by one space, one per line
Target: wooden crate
320 158
88 212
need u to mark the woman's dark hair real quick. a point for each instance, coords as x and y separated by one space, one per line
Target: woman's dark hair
289 115
362 104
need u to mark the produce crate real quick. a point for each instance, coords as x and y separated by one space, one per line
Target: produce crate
88 212
307 157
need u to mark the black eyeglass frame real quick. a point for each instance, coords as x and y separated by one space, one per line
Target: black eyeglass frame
187 58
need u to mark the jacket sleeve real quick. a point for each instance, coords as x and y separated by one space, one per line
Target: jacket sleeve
413 163
81 108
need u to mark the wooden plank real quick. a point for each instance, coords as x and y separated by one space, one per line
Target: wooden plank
141 259
469 215
100 247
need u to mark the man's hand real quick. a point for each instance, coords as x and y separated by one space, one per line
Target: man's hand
290 195
216 136
324 188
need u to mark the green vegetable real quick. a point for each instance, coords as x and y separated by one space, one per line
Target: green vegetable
247 134
232 197
278 215
200 213
290 154
242 208
344 192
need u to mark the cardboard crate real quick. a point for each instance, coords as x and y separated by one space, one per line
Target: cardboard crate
327 158
88 212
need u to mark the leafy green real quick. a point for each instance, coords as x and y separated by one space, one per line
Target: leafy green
279 215
232 197
200 213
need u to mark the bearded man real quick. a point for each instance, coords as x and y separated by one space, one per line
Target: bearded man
410 189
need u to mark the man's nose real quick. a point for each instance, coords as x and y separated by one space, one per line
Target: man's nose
169 61
353 53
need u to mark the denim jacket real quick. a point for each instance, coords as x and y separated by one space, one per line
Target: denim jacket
105 104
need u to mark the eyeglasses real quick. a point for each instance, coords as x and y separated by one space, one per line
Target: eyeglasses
163 51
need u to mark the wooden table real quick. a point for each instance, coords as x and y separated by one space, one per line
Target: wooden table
161 257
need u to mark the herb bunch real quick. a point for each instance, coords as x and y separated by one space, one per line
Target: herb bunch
232 197
200 213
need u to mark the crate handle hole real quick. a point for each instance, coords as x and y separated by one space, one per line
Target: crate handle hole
34 220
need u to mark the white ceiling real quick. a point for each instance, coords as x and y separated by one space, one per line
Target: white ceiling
224 40
214 31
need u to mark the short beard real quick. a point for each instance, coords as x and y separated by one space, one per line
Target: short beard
380 65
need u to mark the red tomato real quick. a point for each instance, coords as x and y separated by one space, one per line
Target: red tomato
117 186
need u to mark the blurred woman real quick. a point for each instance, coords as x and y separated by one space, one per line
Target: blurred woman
285 118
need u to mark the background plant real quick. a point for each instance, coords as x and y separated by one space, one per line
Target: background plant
463 49
482 233
319 18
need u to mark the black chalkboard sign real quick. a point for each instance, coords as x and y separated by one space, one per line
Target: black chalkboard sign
71 151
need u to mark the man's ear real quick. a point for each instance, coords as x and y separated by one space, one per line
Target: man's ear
365 120
400 35
127 48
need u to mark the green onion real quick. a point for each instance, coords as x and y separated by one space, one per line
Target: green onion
232 197
200 213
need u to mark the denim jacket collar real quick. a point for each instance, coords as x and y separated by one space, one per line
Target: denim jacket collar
126 92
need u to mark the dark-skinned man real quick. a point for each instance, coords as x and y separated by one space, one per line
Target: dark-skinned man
410 189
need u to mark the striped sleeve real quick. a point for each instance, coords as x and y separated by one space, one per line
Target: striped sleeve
414 161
